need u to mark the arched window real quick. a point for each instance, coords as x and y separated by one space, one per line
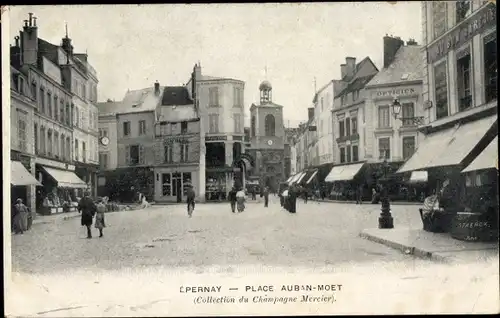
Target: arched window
253 127
270 125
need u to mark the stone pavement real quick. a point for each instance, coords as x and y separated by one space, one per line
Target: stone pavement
436 246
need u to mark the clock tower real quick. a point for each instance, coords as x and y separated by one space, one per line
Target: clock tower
267 139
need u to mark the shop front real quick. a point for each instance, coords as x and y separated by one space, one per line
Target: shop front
171 183
218 182
60 189
346 179
23 184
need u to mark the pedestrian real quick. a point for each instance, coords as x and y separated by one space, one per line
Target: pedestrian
306 194
252 192
240 200
232 199
20 218
190 200
266 196
88 208
359 195
99 218
292 199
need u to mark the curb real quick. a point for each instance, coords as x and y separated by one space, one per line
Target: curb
408 250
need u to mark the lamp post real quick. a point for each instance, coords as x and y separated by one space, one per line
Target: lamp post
385 221
396 109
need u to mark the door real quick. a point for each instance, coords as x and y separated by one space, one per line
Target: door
178 189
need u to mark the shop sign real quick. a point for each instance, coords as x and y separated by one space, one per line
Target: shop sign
216 138
476 24
396 92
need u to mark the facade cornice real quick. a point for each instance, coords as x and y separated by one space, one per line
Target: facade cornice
401 83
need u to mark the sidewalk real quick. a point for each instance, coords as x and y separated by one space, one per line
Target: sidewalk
436 246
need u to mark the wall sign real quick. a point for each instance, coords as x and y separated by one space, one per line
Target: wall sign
480 21
215 138
396 92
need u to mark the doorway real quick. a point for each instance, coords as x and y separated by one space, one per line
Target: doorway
177 186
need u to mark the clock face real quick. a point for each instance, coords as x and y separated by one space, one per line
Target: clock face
269 142
105 141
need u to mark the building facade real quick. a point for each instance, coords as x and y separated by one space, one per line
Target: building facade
267 139
40 64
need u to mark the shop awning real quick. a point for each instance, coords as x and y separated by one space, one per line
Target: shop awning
248 164
312 176
448 147
299 180
418 176
344 173
65 179
296 177
20 176
289 179
487 159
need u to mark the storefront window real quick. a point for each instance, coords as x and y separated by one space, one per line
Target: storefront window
463 80
186 181
166 184
440 82
490 67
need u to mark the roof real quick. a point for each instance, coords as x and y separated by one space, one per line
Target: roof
109 108
357 84
176 95
357 68
214 78
269 104
407 66
134 101
265 85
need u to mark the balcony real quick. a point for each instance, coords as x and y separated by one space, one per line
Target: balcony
352 137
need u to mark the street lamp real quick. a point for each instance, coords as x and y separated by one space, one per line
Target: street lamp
396 109
385 221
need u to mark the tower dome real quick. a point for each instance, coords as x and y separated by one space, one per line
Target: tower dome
265 85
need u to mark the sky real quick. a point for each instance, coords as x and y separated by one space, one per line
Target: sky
132 46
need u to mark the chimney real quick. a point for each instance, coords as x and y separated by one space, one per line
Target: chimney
391 46
193 85
15 54
343 70
411 42
29 41
350 66
66 44
310 113
197 71
157 88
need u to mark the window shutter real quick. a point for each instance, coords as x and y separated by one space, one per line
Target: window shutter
127 155
141 154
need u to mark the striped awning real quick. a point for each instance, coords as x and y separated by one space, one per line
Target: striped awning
312 177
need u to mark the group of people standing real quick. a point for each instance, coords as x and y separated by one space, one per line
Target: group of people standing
88 208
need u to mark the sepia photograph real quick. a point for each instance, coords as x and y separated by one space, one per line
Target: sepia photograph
223 159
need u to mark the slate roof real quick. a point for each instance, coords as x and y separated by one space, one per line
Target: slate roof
357 84
215 78
176 95
109 108
407 62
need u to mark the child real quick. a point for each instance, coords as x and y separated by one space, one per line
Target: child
99 219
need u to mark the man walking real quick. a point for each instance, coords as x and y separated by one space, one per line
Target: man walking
232 199
190 200
266 196
88 208
359 195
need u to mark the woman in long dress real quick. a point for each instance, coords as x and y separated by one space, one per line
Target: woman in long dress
240 200
99 219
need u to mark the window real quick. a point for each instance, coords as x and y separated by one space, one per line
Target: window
252 128
238 98
440 82
133 155
384 148
68 148
166 184
42 100
213 100
84 91
56 144
348 126
341 128
237 123
439 13
84 152
33 91
63 150
142 127
408 147
490 67
463 81
126 128
342 100
49 104
270 125
37 144
56 109
342 155
354 125
348 153
322 103
49 142
103 132
77 154
72 114
384 117
167 154
355 154
77 117
214 123
103 160
61 112
67 115
462 10
408 110
21 134
184 152
355 95
184 127
42 140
